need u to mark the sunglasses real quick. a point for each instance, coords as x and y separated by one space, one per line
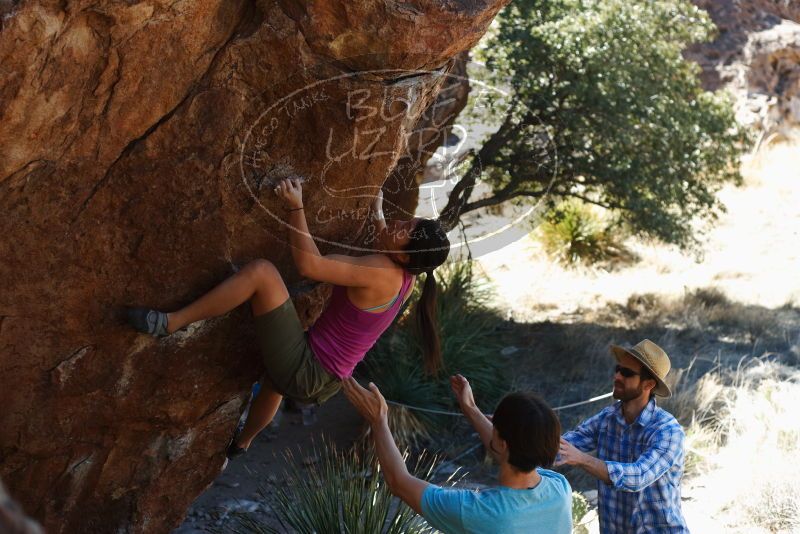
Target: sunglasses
625 371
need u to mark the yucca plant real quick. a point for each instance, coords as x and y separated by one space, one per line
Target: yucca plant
580 511
469 346
573 232
343 493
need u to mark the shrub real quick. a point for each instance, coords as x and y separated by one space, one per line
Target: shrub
573 232
580 509
343 492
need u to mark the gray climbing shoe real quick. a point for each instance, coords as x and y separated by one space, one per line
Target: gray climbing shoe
147 321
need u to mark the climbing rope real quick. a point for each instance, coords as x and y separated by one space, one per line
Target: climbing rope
474 447
443 412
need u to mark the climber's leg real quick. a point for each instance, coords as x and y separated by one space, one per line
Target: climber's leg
262 410
259 282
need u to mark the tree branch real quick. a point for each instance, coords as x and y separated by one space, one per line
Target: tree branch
499 199
460 194
606 205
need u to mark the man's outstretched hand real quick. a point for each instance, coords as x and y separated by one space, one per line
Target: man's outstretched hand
463 392
369 402
568 454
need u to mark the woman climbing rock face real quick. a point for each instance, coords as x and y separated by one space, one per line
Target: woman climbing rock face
368 293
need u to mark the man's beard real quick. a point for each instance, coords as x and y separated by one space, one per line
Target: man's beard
628 394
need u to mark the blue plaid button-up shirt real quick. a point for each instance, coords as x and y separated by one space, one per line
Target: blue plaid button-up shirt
645 464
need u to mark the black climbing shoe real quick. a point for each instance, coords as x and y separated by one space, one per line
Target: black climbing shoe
234 450
148 321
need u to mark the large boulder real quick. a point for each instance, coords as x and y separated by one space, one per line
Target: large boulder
756 56
138 145
431 131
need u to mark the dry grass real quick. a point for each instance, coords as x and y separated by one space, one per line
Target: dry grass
701 330
745 454
709 310
708 337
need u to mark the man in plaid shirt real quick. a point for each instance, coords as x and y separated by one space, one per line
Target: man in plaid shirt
639 461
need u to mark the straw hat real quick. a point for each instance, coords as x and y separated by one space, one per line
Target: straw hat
654 358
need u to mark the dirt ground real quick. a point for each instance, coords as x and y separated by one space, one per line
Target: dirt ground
239 488
236 489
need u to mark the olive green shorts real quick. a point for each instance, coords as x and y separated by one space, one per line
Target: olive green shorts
291 368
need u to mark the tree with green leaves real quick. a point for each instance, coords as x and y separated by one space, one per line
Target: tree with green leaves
604 108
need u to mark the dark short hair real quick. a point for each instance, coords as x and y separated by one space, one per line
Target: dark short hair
530 428
646 374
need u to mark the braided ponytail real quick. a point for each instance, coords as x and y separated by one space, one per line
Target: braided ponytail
427 249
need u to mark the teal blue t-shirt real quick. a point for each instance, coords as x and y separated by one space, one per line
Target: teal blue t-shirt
545 509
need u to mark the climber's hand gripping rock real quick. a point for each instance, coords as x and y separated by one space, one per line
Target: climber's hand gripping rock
291 191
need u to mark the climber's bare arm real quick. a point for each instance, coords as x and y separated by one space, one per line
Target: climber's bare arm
349 271
377 212
303 247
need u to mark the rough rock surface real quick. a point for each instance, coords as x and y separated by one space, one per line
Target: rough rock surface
401 188
757 57
138 145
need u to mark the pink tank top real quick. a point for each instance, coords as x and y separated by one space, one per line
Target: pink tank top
344 333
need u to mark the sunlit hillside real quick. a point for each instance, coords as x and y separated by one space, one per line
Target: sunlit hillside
752 254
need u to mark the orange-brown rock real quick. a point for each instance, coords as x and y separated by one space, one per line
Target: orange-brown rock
756 56
138 143
401 189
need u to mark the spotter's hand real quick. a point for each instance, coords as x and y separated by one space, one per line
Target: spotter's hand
568 454
369 402
463 391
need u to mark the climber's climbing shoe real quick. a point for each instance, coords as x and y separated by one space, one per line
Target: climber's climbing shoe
234 450
148 321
